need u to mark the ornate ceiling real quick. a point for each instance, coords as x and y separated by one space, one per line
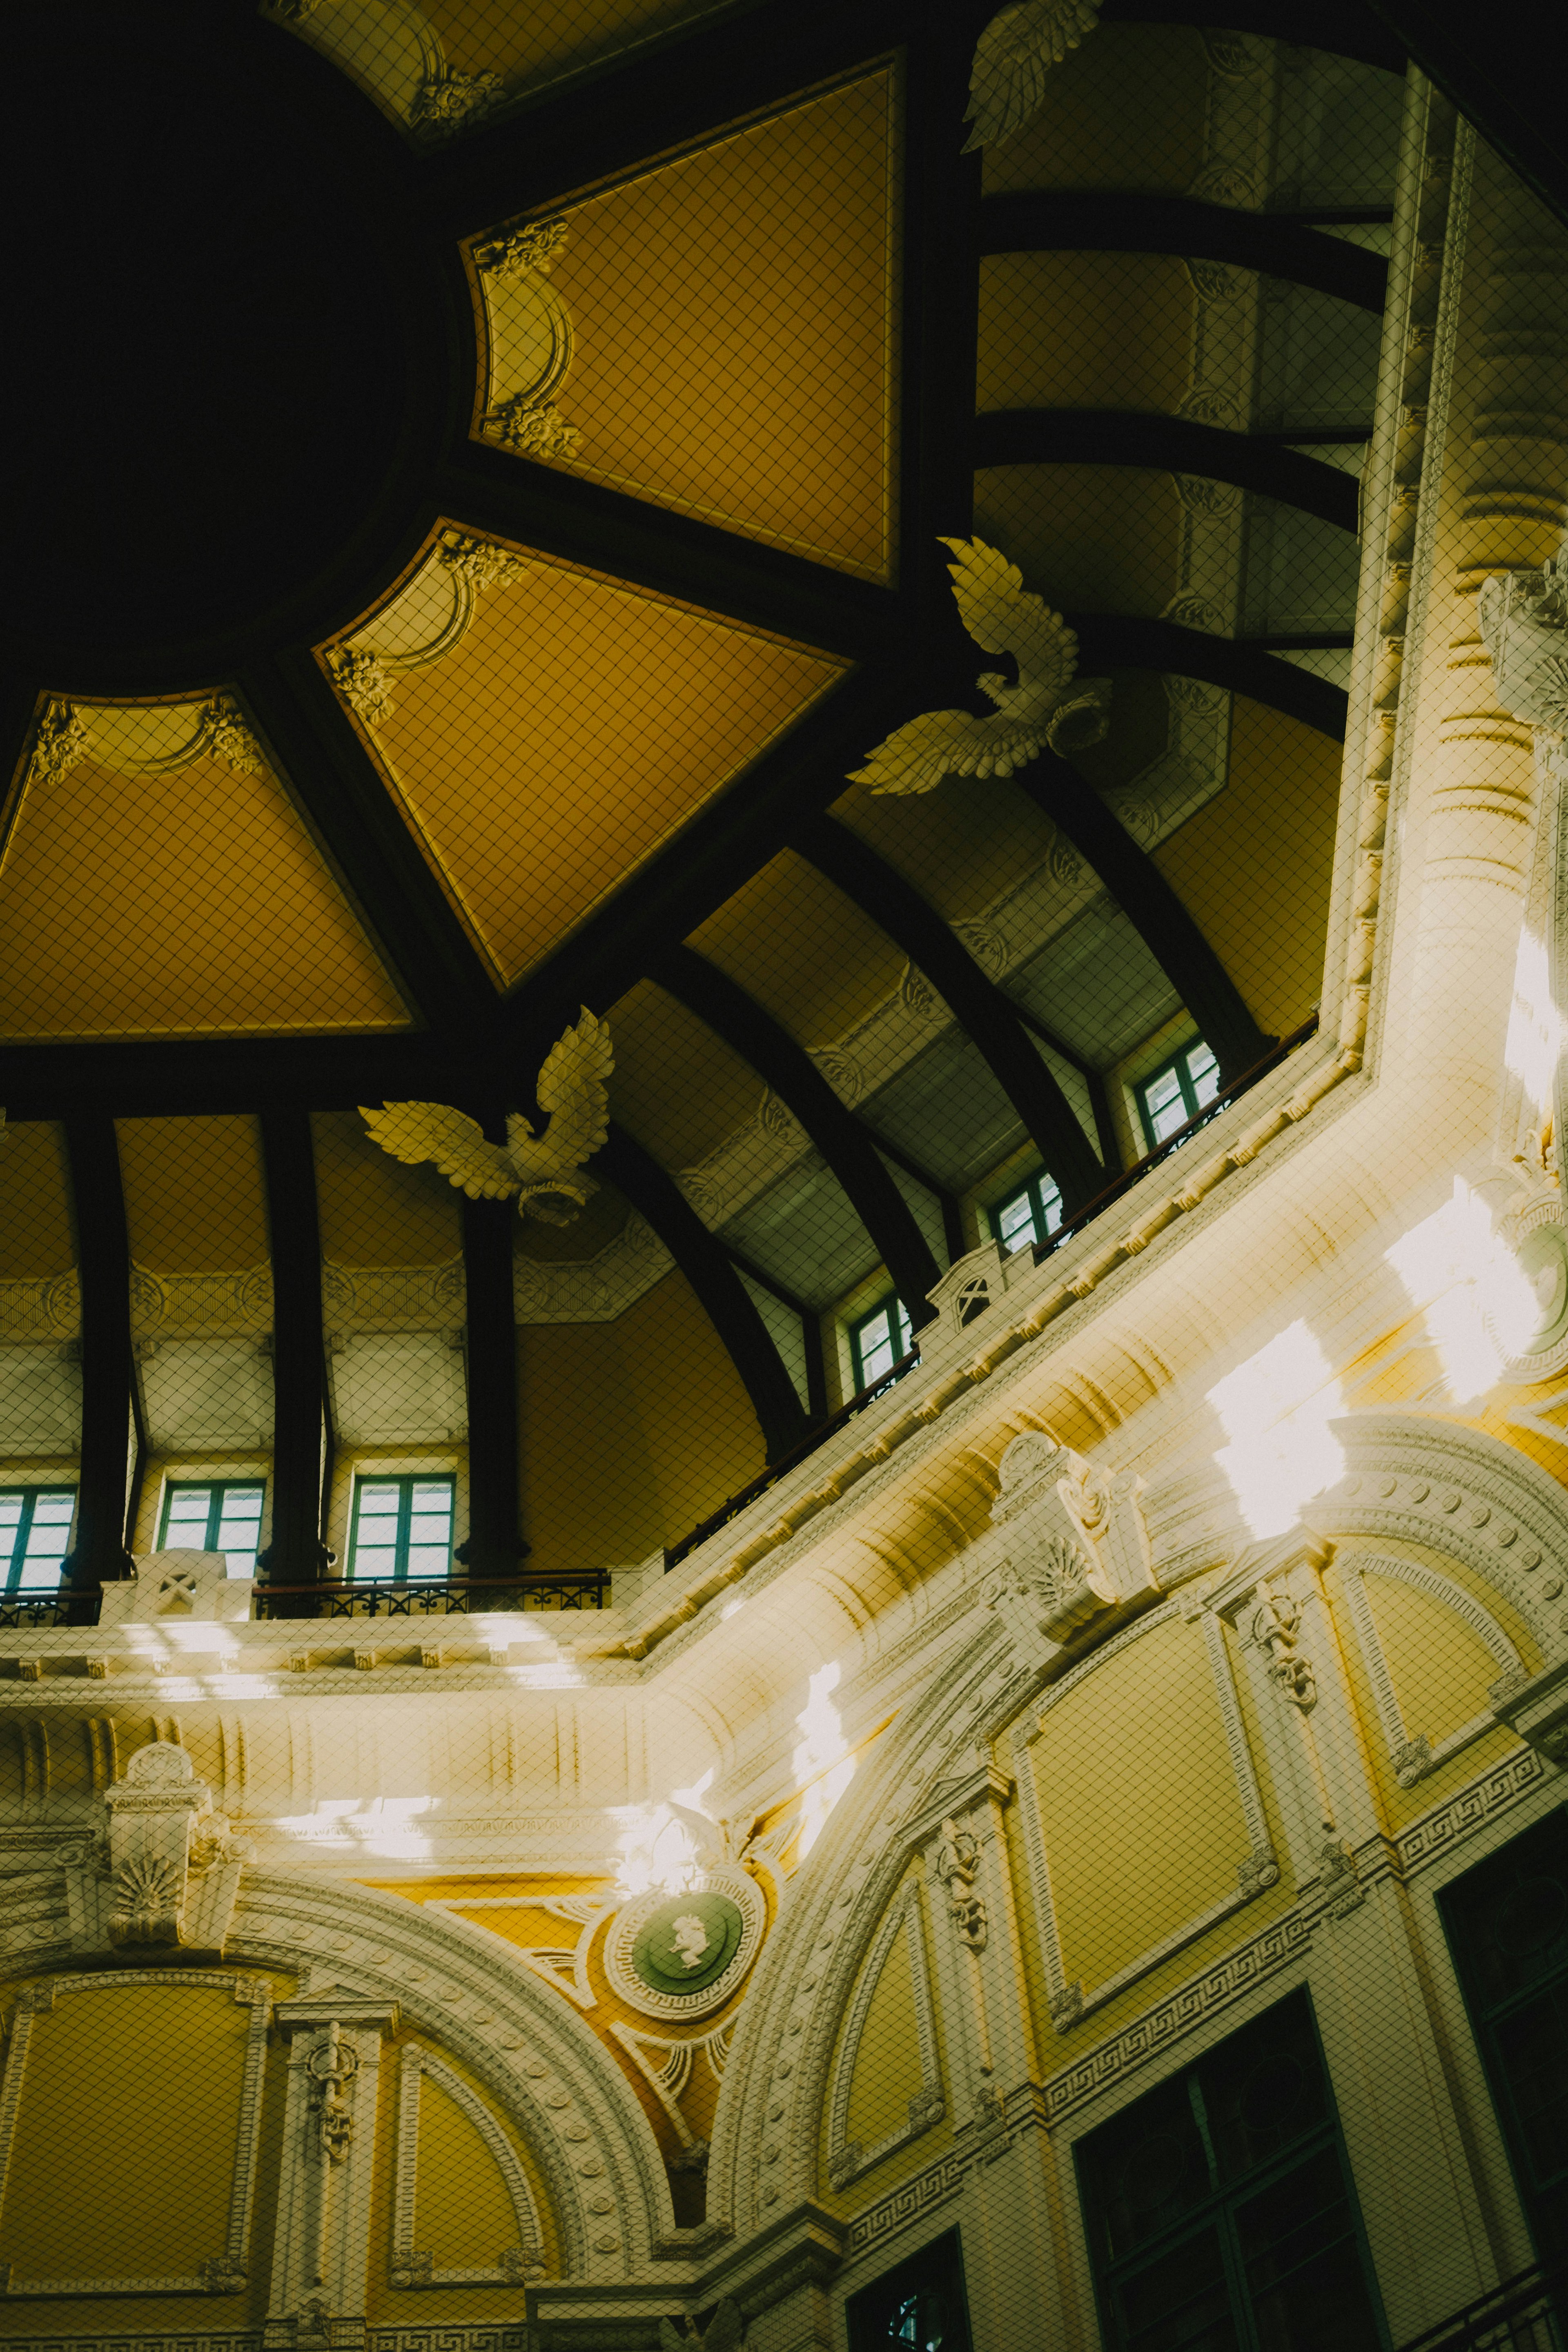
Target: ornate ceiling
518 514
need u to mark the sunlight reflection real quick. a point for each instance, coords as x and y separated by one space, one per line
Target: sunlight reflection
658 1848
1535 1027
1479 1304
821 1744
1275 1409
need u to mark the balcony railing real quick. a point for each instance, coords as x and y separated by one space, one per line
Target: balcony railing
26 1610
453 1596
1527 2312
456 1596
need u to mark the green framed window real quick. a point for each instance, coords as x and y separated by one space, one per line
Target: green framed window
34 1536
1178 1089
1219 2208
214 1514
1507 1924
1028 1215
878 1340
401 1529
920 2304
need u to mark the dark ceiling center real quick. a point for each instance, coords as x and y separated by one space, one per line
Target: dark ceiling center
214 385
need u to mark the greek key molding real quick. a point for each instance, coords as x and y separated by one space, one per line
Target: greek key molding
515 2265
1414 1755
847 2160
224 2273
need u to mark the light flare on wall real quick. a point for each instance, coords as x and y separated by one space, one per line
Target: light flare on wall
1535 1025
822 1762
1275 1409
662 1846
1480 1305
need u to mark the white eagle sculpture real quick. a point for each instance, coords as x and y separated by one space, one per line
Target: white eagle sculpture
1012 58
545 1173
1001 617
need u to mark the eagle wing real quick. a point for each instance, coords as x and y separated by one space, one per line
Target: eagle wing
572 1088
423 1130
1012 58
915 757
1002 616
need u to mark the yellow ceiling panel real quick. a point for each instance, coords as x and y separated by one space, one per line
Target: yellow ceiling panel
375 1210
529 45
1124 110
1084 330
37 1238
152 886
1095 538
677 1087
194 1196
1257 888
802 950
731 331
575 723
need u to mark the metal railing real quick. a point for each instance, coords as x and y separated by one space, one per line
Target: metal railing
23 1610
445 1596
1525 2313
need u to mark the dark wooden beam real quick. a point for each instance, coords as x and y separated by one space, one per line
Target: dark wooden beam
1126 641
296 1554
810 1329
705 1262
836 1134
185 1078
99 1554
1171 445
991 1021
1345 28
503 496
1110 222
660 97
726 842
939 322
493 1545
369 843
1144 894
953 1233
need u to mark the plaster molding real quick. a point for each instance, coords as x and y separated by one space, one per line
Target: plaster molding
590 1291
161 1866
43 1308
60 743
321 2240
225 2272
393 1298
848 2161
525 2047
1414 1755
1257 1869
667 2075
515 2265
625 1925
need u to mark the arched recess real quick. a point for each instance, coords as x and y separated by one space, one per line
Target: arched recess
540 2069
1416 1478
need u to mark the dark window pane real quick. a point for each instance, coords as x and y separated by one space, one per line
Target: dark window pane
1305 2280
1533 2046
1264 2089
1508 1918
1179 2300
1146 2169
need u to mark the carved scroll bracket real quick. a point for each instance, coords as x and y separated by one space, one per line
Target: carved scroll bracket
162 1868
1077 1545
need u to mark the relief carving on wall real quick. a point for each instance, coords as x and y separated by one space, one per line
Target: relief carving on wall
162 1868
1078 1544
